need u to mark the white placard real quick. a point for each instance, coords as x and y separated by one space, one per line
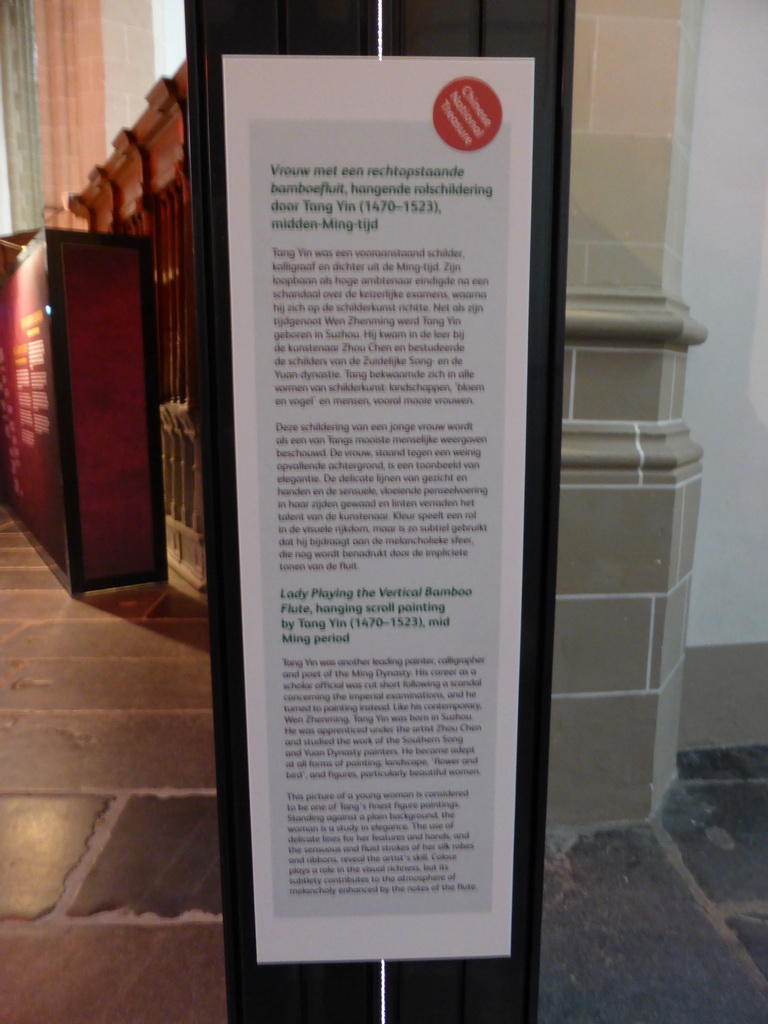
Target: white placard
379 259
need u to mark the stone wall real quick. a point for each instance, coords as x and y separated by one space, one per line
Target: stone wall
631 473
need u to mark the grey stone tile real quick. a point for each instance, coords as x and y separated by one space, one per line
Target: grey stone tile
617 385
615 540
750 762
623 942
162 857
41 839
31 578
12 540
753 935
19 557
601 644
129 603
110 638
608 778
105 683
175 605
69 751
113 975
7 630
125 602
721 830
22 605
669 634
688 525
665 741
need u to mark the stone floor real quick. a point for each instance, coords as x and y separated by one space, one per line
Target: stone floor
665 923
110 910
110 905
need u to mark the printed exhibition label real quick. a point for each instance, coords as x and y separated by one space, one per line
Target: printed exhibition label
379 224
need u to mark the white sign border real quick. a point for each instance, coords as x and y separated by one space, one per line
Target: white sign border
309 88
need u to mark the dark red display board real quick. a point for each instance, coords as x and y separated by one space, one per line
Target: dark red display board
80 458
29 454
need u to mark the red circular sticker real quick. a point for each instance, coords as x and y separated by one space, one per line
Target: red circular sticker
467 114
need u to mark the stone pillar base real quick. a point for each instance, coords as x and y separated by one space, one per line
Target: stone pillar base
182 484
629 505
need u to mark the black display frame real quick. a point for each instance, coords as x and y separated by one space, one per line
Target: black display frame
417 992
74 575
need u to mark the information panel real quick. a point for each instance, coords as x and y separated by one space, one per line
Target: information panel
30 472
379 245
80 449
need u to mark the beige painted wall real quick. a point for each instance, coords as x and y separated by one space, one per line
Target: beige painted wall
631 473
633 85
726 275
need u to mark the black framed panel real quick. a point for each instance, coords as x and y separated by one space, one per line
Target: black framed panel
81 410
105 371
467 992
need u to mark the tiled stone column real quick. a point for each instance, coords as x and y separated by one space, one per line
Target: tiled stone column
95 64
629 504
631 474
129 65
20 114
70 73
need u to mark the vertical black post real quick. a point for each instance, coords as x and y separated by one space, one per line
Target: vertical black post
418 992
